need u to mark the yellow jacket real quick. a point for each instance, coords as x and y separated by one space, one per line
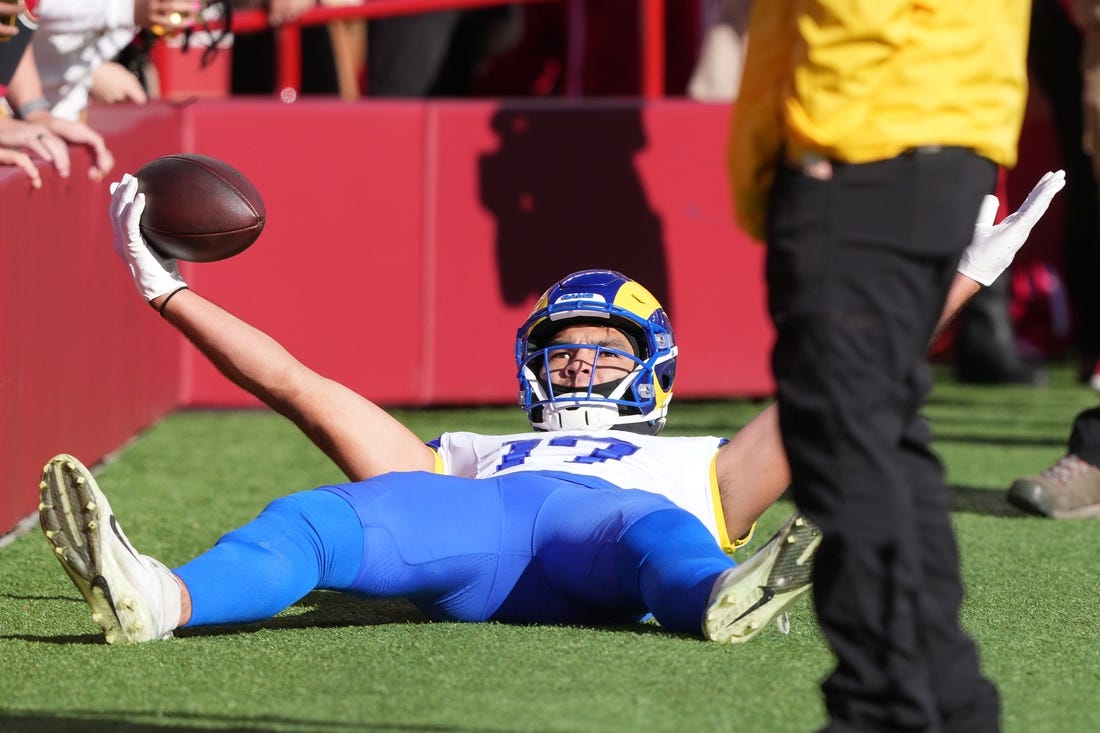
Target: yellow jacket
863 80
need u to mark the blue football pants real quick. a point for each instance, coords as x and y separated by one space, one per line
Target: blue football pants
524 547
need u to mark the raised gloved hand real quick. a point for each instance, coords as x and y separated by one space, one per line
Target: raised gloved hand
991 250
154 275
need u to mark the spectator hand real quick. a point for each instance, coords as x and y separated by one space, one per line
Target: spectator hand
286 11
153 275
166 16
993 247
37 138
78 133
113 83
23 161
8 11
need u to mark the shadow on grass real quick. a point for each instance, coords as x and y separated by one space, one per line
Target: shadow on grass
329 609
318 610
990 502
945 437
130 722
324 610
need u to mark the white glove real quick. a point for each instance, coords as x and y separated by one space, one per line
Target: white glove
154 275
993 247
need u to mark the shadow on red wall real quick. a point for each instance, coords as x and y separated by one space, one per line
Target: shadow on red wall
566 195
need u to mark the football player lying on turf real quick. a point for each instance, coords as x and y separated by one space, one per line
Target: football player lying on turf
591 519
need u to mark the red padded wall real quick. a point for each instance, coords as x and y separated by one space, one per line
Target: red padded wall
338 274
83 363
715 272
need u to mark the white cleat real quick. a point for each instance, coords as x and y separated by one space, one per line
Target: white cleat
747 597
133 597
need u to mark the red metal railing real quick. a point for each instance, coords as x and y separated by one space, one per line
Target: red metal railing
289 53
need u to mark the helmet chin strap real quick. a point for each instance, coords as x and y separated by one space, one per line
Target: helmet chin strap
582 417
571 408
591 415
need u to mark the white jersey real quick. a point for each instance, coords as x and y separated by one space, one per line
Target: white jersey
74 38
680 469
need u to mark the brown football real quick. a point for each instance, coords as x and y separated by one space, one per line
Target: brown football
198 208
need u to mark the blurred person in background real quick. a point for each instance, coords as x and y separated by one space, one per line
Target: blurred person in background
1067 64
78 40
716 75
254 62
1064 47
36 131
9 19
1070 487
436 54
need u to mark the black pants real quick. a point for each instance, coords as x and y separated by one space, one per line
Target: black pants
858 268
1084 439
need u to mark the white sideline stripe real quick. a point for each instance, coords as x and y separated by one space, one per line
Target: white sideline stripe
24 526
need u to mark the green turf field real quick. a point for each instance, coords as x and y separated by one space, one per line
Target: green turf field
335 664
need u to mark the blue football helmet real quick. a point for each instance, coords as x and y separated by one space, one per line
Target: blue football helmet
638 402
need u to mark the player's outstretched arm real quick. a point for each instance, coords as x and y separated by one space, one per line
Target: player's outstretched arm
360 437
752 468
993 247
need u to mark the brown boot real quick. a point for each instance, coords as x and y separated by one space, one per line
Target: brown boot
1070 489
